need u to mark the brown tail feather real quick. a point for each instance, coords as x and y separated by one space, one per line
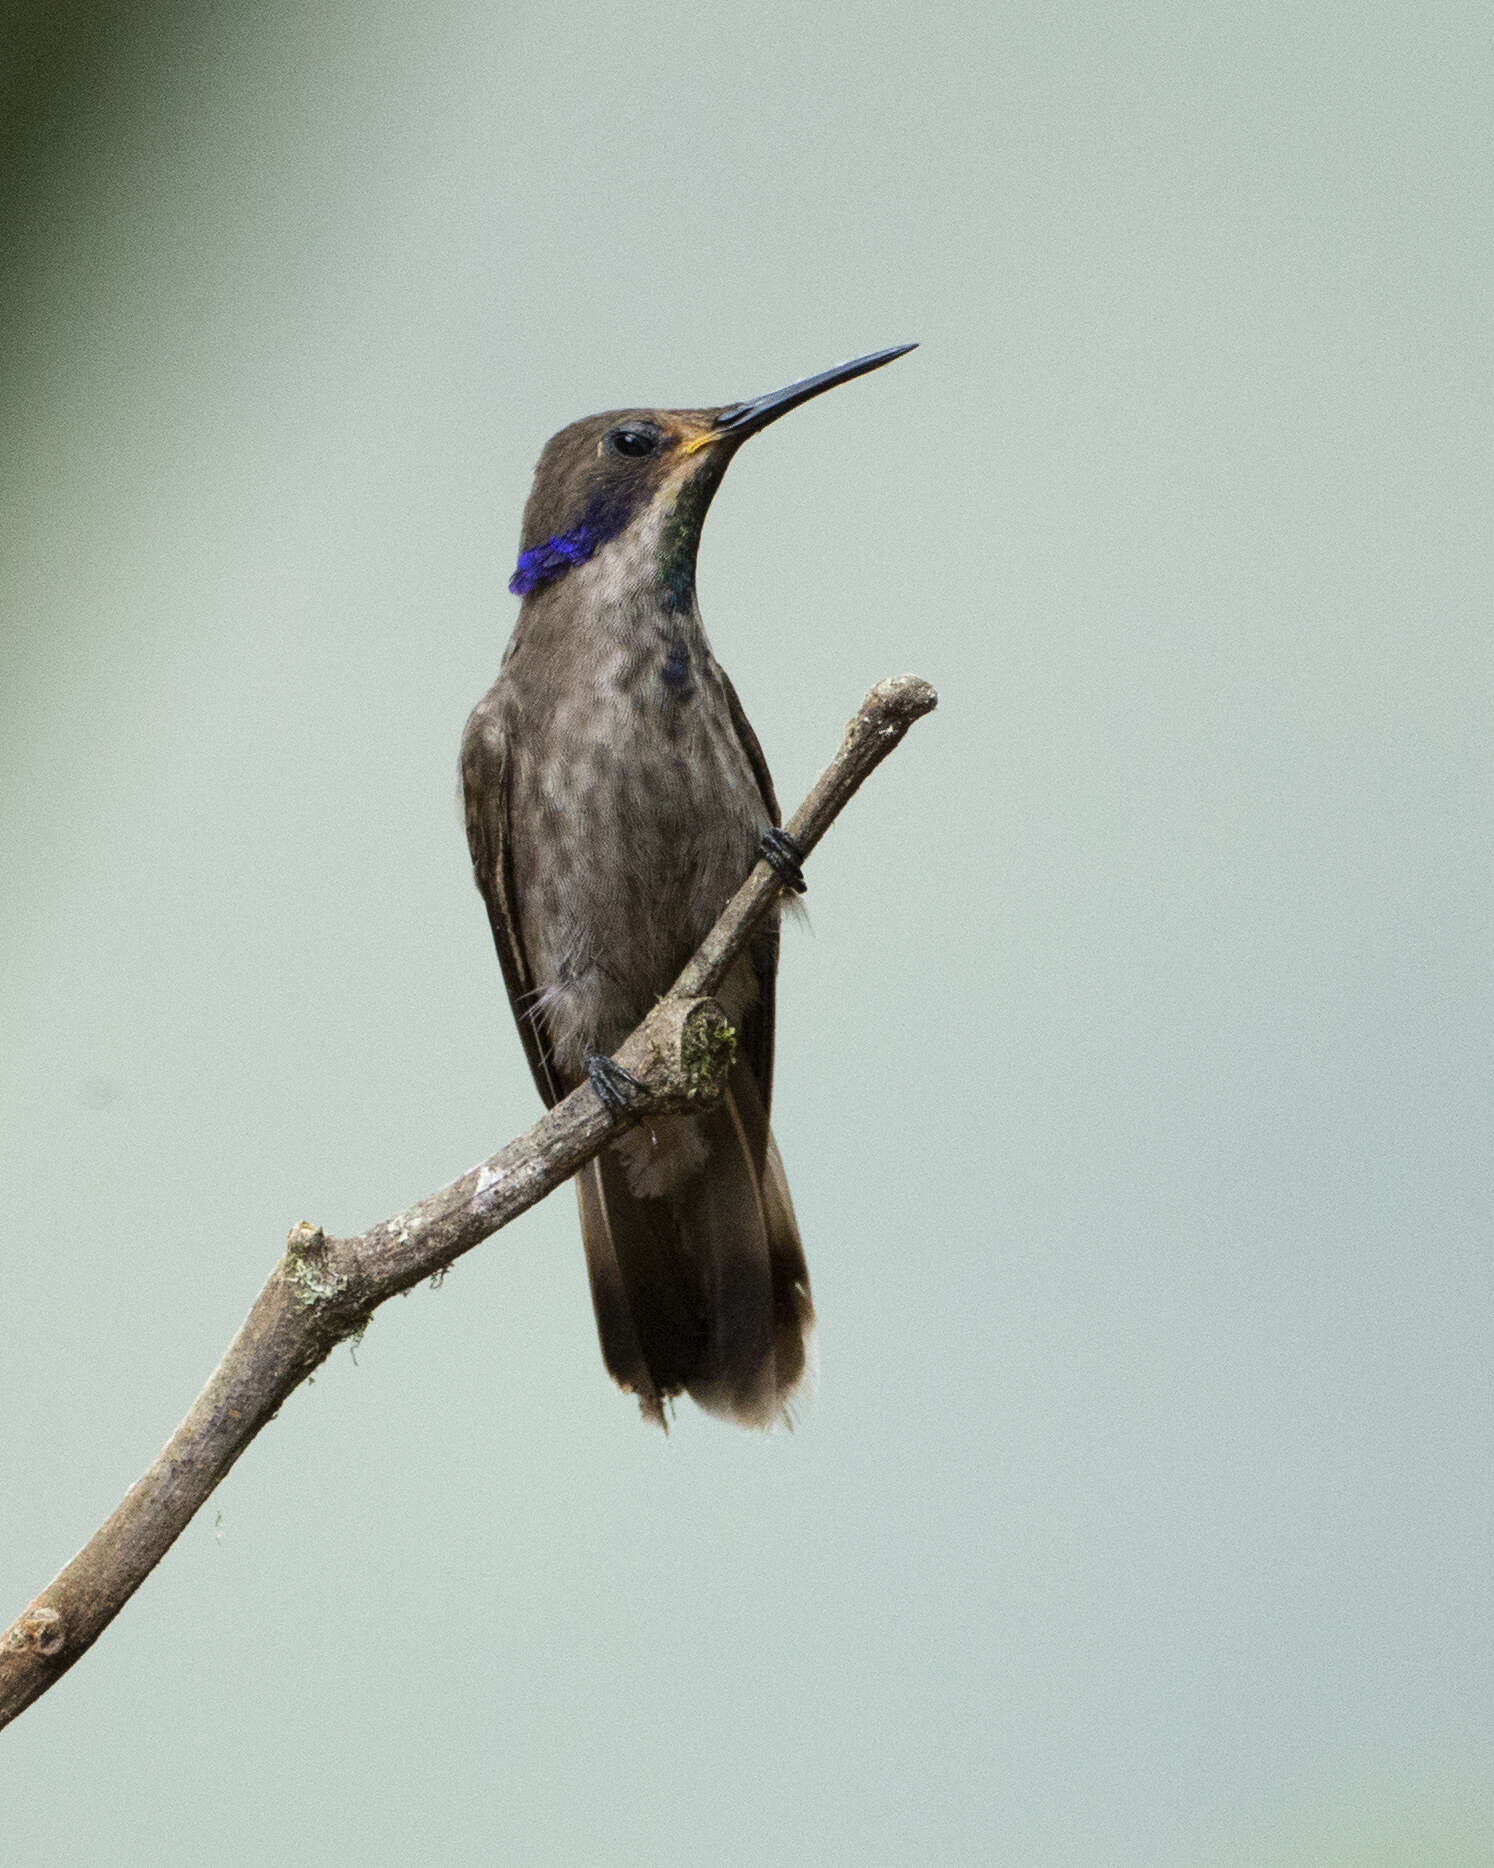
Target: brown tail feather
705 1289
641 1287
793 1307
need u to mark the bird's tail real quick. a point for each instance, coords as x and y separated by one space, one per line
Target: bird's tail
702 1289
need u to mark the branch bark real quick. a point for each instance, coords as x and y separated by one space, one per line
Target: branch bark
324 1290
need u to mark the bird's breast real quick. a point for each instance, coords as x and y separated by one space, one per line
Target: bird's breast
636 815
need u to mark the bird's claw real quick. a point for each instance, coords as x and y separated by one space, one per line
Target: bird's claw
780 852
615 1087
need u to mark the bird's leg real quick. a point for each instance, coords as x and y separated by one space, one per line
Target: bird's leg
615 1087
779 851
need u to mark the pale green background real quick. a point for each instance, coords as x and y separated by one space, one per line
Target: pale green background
1134 1080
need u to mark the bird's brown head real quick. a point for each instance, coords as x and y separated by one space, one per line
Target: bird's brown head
658 468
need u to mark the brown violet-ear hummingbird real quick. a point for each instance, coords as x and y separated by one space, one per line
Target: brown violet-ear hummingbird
616 798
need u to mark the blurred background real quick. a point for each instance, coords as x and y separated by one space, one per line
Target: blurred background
1134 1074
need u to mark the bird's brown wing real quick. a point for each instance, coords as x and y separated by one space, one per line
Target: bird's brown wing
755 1037
485 773
753 749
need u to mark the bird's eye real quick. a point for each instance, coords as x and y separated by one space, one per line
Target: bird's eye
634 442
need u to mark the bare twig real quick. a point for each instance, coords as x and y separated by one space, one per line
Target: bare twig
324 1290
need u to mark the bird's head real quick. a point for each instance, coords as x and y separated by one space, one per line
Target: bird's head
645 478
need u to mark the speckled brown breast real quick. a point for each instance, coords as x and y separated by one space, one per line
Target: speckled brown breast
634 814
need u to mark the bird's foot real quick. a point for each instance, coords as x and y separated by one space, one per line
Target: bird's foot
780 852
615 1087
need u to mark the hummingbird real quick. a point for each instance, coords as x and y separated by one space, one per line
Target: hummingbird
615 799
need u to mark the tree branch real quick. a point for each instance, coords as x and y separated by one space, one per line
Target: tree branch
324 1290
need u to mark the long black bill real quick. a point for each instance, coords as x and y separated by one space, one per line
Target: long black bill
745 418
